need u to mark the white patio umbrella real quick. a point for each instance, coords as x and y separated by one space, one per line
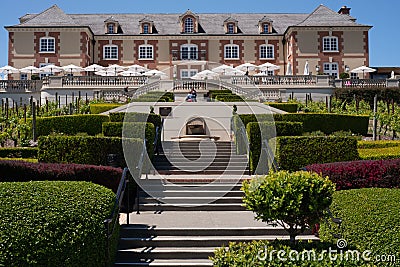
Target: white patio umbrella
363 70
72 68
289 70
223 69
306 69
205 74
392 75
154 73
246 67
8 70
236 73
94 68
50 68
105 73
268 66
137 68
130 73
116 68
30 69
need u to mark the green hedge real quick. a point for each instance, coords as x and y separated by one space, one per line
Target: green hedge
132 130
228 98
288 107
295 152
83 149
379 153
18 152
100 108
377 144
70 124
269 130
371 219
155 119
54 223
325 122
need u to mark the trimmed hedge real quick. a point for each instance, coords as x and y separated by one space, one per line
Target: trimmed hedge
370 222
155 119
361 174
380 153
295 152
132 130
70 124
100 108
288 107
269 130
83 149
325 122
54 223
265 253
19 171
18 152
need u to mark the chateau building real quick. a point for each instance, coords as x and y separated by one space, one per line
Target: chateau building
330 42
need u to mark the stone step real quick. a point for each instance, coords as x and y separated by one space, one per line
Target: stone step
192 200
192 207
203 172
165 253
187 194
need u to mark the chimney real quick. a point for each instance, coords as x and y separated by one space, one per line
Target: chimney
344 10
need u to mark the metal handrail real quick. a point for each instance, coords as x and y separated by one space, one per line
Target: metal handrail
139 168
112 221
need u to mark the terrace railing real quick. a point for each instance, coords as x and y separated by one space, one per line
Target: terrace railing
104 81
362 83
283 80
20 86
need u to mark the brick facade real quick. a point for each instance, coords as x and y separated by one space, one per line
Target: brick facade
106 62
235 62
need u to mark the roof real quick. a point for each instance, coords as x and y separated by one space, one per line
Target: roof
168 24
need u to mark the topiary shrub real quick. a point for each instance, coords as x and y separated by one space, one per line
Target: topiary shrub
54 223
70 124
288 107
84 150
295 152
18 152
361 174
296 201
155 119
370 222
102 107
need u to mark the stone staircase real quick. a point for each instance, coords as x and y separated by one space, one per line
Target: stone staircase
200 157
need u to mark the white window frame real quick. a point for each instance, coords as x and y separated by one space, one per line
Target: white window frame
330 44
44 74
265 27
146 28
23 76
187 73
331 69
47 45
110 28
231 51
189 52
146 52
108 55
188 25
353 75
267 51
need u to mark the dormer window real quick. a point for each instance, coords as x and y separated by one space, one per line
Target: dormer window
265 25
231 26
110 28
146 26
189 22
189 26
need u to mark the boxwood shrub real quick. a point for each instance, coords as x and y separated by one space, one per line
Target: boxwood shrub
155 119
102 107
18 152
54 223
370 222
295 152
361 174
83 149
288 107
70 124
327 123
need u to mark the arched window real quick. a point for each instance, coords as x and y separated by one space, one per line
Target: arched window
47 45
110 52
266 52
330 44
188 25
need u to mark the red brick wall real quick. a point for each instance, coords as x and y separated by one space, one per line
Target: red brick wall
107 62
151 63
235 62
85 49
336 56
41 57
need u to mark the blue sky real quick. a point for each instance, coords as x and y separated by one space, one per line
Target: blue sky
384 37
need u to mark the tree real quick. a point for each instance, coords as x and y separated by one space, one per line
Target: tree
295 201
